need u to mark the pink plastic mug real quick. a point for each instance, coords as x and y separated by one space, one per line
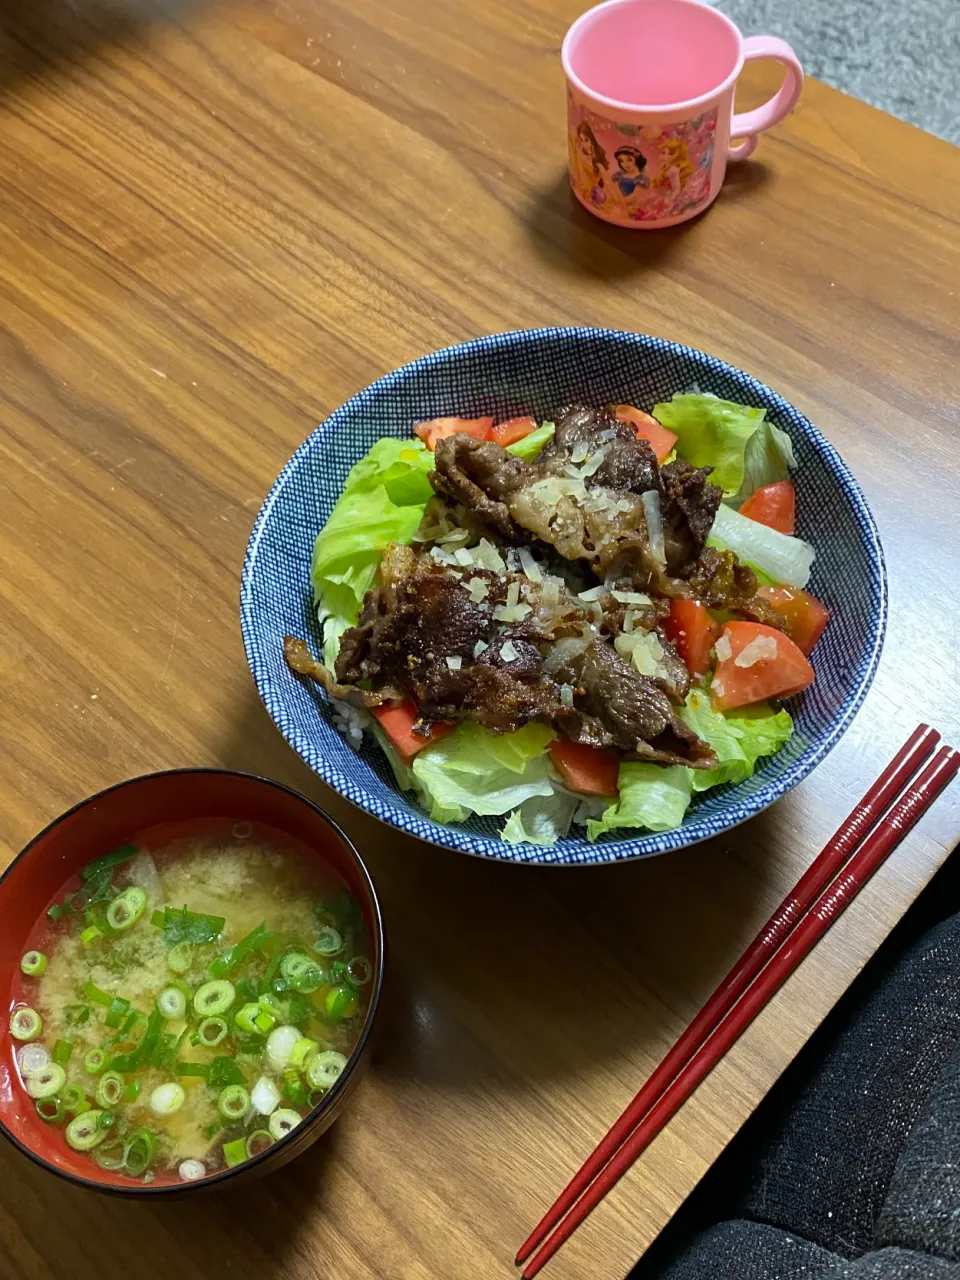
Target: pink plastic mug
650 87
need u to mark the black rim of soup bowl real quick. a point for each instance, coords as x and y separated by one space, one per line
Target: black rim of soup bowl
226 1175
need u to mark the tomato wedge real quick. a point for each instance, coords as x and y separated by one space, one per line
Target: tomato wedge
775 505
776 667
512 430
647 428
693 633
803 613
585 769
397 720
435 429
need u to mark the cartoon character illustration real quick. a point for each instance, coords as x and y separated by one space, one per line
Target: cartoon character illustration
588 163
675 166
629 178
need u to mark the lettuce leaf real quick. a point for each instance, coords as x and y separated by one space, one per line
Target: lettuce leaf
541 820
475 771
786 560
651 796
530 446
739 740
711 433
767 459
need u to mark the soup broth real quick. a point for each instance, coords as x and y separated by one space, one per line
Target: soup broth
189 998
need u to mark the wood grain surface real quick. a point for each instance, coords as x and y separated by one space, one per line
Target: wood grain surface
219 221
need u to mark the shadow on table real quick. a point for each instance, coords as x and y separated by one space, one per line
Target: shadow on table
44 36
508 973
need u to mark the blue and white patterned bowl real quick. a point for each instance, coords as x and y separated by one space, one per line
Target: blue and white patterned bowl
535 371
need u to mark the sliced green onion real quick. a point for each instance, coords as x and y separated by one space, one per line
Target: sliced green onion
255 940
33 964
280 1045
95 1061
107 1120
50 1109
359 971
283 1122
110 1089
158 918
167 1098
180 957
193 1069
92 992
117 1013
62 1051
303 1051
46 1083
77 1014
234 1102
125 911
329 941
235 1152
212 1031
90 935
214 997
224 1071
140 1151
340 1003
172 1003
122 854
110 1155
73 1098
187 926
55 912
271 1004
25 1024
192 1170
32 1058
82 1132
295 964
131 1021
325 1069
316 1097
293 1086
246 1017
242 830
132 1092
264 1021
258 1142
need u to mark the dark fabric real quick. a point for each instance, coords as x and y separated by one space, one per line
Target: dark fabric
739 1250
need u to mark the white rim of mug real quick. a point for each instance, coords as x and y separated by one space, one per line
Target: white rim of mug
592 15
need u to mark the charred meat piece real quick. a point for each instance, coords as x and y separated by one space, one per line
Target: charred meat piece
302 663
491 695
480 475
688 507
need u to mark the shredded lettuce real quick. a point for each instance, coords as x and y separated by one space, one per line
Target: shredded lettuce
767 459
711 433
739 740
541 820
786 560
475 771
530 446
652 796
401 770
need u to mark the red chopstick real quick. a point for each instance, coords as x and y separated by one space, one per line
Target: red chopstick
834 900
798 901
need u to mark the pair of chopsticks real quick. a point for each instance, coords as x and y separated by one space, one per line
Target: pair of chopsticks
835 877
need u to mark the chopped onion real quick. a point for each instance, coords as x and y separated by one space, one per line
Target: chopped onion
550 595
455 663
566 695
463 556
167 1098
265 1096
629 621
562 651
651 511
280 1045
724 648
192 1170
486 556
480 647
631 597
594 593
478 590
511 613
643 649
509 652
763 649
594 463
32 1059
513 594
530 566
580 451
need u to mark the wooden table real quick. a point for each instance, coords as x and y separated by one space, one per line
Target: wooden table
215 225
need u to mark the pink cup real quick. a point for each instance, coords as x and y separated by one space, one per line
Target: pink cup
650 86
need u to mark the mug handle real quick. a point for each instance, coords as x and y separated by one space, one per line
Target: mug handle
748 124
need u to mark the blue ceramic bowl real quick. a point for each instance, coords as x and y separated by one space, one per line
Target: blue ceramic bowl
535 371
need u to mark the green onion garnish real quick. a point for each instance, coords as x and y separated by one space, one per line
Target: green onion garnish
265 1022
132 1092
117 1013
167 1098
93 993
110 1089
90 935
257 1143
233 1102
180 957
49 1109
47 1082
214 997
293 1086
224 1071
235 1152
315 1097
107 1120
95 1061
193 1069
283 1121
254 941
340 1003
329 941
188 926
109 860
33 964
140 1151
212 1031
129 1024
172 1003
82 1133
25 1024
246 1017
62 1051
124 911
55 912
110 1155
359 971
73 1098
325 1069
303 1051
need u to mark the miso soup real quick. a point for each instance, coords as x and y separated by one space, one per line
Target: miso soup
189 998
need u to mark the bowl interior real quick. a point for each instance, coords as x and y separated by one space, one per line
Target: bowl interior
537 371
106 821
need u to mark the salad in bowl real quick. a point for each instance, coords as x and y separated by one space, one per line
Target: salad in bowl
577 623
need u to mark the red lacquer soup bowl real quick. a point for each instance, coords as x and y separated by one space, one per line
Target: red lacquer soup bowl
180 798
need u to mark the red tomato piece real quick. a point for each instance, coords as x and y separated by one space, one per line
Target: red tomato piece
776 667
775 505
647 428
803 613
512 430
693 633
585 769
438 428
397 720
